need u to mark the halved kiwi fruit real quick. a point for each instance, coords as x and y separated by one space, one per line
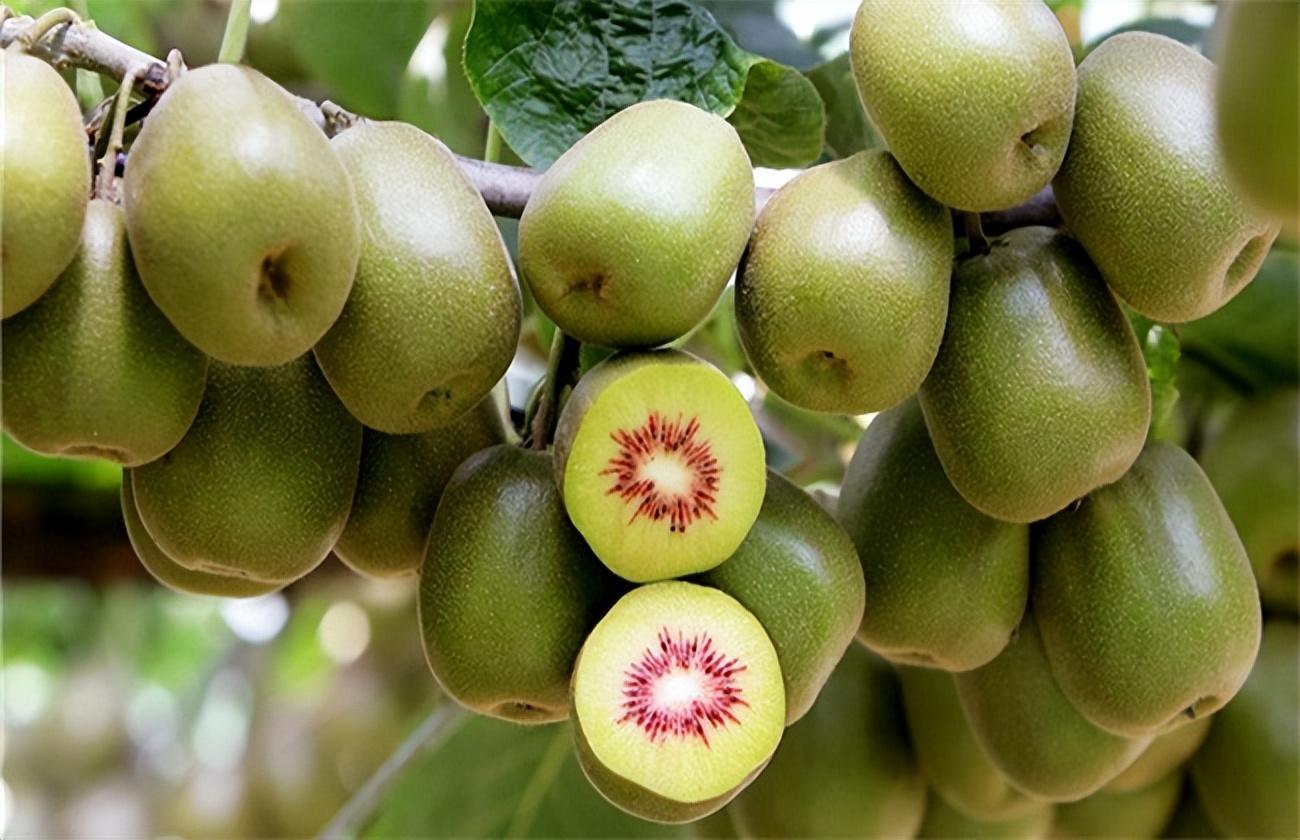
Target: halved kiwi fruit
172 574
660 464
678 701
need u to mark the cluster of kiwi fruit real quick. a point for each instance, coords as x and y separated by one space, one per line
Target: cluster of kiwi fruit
293 344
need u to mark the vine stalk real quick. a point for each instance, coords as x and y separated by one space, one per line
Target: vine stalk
235 36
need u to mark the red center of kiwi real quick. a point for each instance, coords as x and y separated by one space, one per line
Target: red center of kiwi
655 441
682 688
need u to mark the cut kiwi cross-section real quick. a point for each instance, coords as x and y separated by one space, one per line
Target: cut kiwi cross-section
678 701
660 464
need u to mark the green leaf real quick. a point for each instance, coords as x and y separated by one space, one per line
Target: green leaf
359 48
1160 350
848 129
488 778
549 72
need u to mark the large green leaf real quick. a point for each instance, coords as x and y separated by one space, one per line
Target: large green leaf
848 129
359 48
549 72
487 778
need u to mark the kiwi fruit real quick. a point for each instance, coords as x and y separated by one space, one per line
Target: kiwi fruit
45 169
508 590
434 314
951 758
631 235
1035 737
402 477
845 769
1140 813
261 485
1166 754
678 701
841 301
947 583
660 464
944 821
93 369
242 220
798 574
1039 393
172 574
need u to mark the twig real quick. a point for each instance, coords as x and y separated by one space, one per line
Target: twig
560 369
505 189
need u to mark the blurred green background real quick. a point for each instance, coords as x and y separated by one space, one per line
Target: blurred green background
133 711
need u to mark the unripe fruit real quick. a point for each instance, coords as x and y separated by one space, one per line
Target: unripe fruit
93 369
629 238
1144 186
841 302
242 219
975 98
433 318
45 170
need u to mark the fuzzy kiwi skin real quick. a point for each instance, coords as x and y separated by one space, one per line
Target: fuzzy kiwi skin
433 318
1150 562
93 369
640 801
501 529
1039 393
402 478
261 484
1143 812
172 574
942 820
798 573
836 314
1166 754
947 583
1144 185
950 757
45 169
845 769
631 235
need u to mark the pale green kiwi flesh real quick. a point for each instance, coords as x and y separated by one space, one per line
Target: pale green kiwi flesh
663 469
677 699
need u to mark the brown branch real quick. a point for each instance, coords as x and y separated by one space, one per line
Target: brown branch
505 189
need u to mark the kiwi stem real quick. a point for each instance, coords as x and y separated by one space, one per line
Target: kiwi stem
560 369
979 244
236 34
105 180
492 145
441 724
41 26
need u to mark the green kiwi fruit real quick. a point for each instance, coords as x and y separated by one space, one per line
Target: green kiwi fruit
1144 185
1039 393
261 484
631 235
841 302
402 477
951 758
1189 819
798 574
93 369
508 590
1150 563
433 318
1247 773
947 584
45 169
242 220
1031 732
942 820
1143 812
677 701
660 464
975 98
1254 465
172 574
1166 754
845 769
